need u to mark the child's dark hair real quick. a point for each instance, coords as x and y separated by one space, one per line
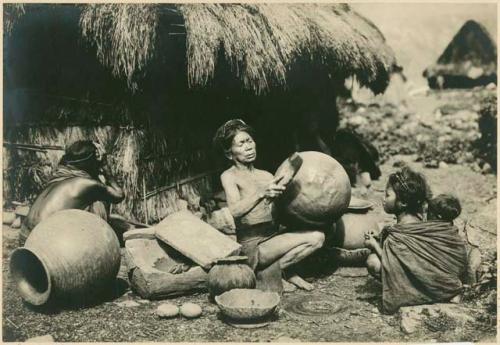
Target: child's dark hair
224 136
444 207
411 188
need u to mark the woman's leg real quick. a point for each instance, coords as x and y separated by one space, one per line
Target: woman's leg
290 248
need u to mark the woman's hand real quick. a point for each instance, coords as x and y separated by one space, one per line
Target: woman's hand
370 241
273 190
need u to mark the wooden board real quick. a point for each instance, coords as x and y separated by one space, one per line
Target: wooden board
148 264
195 239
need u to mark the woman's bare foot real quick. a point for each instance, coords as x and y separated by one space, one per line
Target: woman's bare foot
300 283
288 287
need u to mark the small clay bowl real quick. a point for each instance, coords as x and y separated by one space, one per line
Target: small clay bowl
359 204
247 304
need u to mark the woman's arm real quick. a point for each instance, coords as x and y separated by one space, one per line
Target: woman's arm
240 207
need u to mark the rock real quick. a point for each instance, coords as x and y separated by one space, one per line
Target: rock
41 339
22 210
358 121
469 157
190 310
412 318
8 217
491 86
433 164
486 169
128 304
410 321
167 310
443 165
475 167
16 224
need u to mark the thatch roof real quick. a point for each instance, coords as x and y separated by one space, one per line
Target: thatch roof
261 42
472 53
70 71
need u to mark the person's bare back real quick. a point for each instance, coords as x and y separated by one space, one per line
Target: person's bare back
73 193
75 184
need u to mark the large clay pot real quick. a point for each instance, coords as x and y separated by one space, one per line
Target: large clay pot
318 194
351 228
67 257
230 273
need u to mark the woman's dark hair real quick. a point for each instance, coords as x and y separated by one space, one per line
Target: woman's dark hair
411 188
444 207
80 152
224 136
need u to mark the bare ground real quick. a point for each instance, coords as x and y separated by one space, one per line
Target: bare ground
343 307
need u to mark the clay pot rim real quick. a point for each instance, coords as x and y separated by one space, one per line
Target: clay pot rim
35 298
232 259
272 303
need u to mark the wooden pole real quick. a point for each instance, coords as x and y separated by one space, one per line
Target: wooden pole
145 200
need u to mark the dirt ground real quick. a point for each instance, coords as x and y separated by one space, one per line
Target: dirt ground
343 307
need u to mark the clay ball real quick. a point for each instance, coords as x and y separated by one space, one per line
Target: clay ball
190 310
167 310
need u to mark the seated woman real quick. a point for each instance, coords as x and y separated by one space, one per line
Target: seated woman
418 262
249 192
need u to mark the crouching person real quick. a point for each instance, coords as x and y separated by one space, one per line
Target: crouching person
75 184
249 193
418 262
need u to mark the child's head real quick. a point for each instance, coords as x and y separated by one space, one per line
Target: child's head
444 207
406 191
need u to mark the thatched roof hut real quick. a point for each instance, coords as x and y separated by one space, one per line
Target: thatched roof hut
469 60
152 82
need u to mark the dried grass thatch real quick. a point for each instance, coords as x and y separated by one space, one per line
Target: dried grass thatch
261 42
264 45
124 35
471 54
11 13
132 160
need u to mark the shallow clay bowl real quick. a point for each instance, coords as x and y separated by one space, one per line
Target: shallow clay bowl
359 204
247 304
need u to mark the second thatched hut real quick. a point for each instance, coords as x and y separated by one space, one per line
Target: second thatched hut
469 60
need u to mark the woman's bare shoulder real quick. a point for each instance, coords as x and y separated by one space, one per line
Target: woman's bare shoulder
228 174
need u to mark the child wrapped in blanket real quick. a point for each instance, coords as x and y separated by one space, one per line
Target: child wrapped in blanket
418 262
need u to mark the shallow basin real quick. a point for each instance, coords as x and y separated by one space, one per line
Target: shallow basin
247 304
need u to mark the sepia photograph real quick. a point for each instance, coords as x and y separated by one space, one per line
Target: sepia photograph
249 172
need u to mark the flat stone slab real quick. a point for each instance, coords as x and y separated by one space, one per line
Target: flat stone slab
195 239
412 318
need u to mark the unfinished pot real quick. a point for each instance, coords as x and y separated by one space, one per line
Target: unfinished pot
318 194
351 228
230 273
67 257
